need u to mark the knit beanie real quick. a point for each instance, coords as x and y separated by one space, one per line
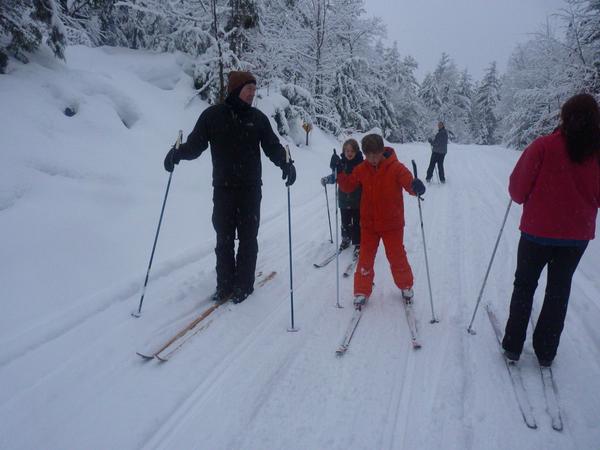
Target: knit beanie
237 80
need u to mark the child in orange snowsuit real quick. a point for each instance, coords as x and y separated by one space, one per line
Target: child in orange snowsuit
382 178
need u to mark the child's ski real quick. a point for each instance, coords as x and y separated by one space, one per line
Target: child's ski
343 347
350 269
327 260
412 322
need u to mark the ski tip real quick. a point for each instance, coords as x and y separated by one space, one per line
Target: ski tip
162 358
145 356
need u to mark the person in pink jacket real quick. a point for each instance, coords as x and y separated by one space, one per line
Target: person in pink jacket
557 180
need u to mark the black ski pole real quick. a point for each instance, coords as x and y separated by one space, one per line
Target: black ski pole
288 158
138 313
433 319
328 214
487 272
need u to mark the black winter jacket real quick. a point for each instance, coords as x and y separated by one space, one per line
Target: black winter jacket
440 142
349 200
234 130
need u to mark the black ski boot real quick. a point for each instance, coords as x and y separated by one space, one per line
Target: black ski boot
221 295
239 294
345 243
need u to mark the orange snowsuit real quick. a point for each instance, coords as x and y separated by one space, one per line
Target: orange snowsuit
381 217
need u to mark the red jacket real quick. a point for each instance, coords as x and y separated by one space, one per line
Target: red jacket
381 204
560 198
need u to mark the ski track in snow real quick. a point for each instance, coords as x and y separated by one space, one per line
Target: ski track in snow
244 382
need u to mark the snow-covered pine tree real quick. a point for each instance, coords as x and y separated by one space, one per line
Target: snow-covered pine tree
462 123
404 95
25 24
486 102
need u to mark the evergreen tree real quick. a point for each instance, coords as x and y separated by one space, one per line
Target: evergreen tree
25 24
487 98
462 124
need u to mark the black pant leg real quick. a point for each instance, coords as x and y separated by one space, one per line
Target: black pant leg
346 225
223 219
550 324
248 222
531 259
440 164
432 161
355 227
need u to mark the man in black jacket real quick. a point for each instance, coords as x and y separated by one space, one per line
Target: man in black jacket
439 148
235 131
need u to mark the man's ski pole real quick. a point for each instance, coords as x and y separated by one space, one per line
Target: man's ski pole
487 272
433 319
288 158
138 313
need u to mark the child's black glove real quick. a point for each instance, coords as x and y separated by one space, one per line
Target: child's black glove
335 163
418 187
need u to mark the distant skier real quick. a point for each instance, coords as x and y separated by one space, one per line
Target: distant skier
439 148
382 178
234 130
557 179
349 203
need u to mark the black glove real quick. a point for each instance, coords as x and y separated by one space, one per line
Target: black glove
418 187
335 163
288 172
171 159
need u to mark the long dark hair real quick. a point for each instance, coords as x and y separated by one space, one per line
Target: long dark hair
580 124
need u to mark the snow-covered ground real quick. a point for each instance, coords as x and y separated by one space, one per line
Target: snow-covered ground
79 203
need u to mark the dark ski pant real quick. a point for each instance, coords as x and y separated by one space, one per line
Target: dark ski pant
236 209
436 158
531 259
351 224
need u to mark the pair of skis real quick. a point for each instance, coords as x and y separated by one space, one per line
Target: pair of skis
355 319
549 385
166 350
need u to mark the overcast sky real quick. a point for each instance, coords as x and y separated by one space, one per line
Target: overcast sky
472 32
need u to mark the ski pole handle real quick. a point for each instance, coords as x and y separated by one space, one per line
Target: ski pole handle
414 165
179 139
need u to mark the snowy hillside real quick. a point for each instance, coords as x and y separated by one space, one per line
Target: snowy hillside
79 203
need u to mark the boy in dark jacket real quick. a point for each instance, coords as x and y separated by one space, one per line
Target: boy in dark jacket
349 202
